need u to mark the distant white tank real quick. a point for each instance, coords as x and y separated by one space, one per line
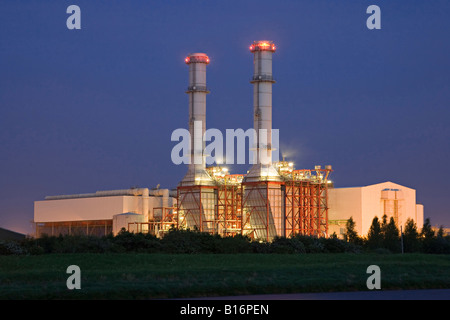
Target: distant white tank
130 221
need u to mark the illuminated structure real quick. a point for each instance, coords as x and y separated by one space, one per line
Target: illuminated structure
102 212
364 203
196 192
269 200
262 185
197 91
272 199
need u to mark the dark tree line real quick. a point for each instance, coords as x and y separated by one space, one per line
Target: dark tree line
175 241
385 235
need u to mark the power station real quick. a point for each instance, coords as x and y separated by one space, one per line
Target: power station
271 199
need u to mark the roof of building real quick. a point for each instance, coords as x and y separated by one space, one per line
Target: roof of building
6 234
378 184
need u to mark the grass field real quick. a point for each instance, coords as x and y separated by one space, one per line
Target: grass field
146 276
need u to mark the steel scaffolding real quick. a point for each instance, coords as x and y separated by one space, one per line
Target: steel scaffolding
259 209
196 208
229 205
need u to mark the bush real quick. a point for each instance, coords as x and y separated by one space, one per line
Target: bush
126 241
285 245
79 244
260 247
232 244
438 245
191 242
47 243
334 245
184 241
311 244
11 248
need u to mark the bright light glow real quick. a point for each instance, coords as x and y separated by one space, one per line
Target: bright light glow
200 58
262 46
291 164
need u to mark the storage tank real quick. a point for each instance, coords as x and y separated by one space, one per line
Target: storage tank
131 221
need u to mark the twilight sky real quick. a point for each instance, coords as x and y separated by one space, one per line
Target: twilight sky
94 109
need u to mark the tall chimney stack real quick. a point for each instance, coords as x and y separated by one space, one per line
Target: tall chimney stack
197 92
262 82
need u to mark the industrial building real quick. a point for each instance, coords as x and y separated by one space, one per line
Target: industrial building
362 204
102 212
271 199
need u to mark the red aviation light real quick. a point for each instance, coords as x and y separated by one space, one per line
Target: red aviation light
197 58
262 46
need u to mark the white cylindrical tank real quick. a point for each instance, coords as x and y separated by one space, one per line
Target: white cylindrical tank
132 222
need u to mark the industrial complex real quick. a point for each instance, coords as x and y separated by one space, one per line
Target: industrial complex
272 199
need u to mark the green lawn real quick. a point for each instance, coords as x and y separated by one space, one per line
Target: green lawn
142 276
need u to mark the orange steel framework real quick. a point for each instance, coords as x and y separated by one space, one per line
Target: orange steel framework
260 210
229 205
160 223
306 203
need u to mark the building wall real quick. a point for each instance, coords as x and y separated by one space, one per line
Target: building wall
419 215
92 208
344 203
95 208
364 203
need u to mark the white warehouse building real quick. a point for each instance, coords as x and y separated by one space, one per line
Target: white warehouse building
364 203
102 212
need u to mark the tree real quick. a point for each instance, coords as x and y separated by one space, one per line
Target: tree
384 224
375 237
411 237
440 233
427 230
350 234
391 239
427 236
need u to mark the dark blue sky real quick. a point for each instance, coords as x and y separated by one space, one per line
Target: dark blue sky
94 109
